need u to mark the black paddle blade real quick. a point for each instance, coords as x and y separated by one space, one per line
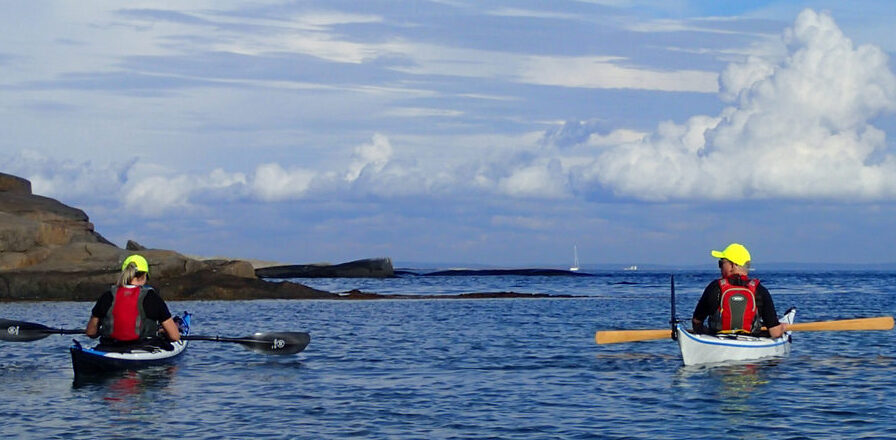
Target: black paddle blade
20 331
265 343
280 343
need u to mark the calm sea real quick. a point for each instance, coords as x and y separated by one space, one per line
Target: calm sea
472 369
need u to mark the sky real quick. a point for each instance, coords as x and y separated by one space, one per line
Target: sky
462 132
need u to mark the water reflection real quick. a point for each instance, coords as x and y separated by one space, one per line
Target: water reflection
739 381
128 390
732 387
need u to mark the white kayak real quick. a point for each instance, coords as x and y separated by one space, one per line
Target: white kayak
699 349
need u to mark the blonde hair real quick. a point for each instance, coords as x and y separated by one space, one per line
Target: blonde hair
127 275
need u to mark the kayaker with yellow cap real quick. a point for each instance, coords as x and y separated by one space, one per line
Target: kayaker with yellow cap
130 311
736 303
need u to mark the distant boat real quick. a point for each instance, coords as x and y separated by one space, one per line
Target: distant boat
575 260
632 267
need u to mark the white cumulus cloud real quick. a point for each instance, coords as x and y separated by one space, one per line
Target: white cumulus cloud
274 183
155 195
372 157
544 179
800 127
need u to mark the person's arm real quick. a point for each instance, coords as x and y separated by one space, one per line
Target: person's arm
98 313
170 328
157 309
93 327
769 314
778 330
704 308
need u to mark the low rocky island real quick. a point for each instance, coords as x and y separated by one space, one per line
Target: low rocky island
50 251
366 268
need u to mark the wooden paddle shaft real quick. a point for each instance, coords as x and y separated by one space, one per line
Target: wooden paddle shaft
616 336
877 323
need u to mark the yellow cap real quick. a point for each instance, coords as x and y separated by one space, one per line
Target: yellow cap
140 262
735 253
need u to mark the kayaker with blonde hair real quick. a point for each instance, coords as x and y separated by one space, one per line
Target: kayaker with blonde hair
130 311
736 303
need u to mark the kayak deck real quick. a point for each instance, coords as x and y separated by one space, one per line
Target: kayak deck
103 359
699 349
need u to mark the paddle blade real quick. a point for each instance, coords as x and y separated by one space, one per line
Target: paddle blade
20 331
265 343
280 343
876 323
617 336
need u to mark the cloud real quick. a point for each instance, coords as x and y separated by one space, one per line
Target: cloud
274 183
531 13
68 179
611 73
420 112
593 72
801 127
142 188
372 157
544 179
615 137
155 195
305 32
571 133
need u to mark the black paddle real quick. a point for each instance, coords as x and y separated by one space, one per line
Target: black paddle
19 331
266 343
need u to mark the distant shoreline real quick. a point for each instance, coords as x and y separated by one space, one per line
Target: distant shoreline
421 268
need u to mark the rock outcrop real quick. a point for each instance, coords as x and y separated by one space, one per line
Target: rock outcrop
49 250
367 268
33 227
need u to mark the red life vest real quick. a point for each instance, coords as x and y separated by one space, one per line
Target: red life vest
126 320
737 308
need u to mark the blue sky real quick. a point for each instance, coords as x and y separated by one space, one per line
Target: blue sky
463 132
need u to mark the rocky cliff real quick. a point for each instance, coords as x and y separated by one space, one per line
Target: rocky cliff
50 251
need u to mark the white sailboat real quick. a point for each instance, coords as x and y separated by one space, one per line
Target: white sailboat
575 263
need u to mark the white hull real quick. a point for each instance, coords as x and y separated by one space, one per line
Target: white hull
708 349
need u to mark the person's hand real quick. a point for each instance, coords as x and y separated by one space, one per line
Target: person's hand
697 326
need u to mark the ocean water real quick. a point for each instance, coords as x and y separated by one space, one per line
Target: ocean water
472 368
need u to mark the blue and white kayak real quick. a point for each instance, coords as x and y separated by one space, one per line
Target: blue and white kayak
699 349
102 359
